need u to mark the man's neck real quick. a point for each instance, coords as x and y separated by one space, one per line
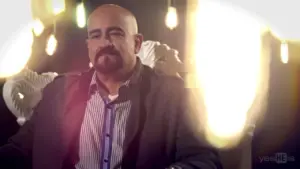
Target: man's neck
112 82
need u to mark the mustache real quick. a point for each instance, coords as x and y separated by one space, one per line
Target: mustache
107 51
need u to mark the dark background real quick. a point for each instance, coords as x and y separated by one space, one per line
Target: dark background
278 130
71 54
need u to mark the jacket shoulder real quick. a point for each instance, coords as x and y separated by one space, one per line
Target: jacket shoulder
167 81
69 76
166 86
63 81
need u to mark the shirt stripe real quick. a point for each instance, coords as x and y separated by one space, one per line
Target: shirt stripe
103 131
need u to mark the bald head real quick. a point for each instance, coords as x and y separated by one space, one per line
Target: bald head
113 39
114 12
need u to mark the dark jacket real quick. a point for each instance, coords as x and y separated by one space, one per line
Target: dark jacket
158 131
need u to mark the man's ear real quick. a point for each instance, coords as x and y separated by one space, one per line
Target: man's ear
138 42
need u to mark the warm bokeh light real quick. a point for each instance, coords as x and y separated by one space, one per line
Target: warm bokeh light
38 27
228 67
16 37
171 18
58 6
51 45
284 52
80 15
21 96
90 65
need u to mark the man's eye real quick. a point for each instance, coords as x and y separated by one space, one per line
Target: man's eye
95 36
116 34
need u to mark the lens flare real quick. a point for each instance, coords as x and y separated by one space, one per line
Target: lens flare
16 38
58 6
228 67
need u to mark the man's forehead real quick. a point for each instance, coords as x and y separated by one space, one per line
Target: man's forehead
104 22
110 15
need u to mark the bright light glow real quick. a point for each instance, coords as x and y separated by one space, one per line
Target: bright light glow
284 52
51 45
80 13
21 96
16 37
228 66
171 18
58 6
38 27
281 21
90 65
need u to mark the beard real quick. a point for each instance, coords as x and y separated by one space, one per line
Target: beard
108 63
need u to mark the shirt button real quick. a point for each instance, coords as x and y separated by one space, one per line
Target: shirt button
109 106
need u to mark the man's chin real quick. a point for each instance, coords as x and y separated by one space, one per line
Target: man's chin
106 69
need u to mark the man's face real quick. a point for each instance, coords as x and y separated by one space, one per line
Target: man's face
111 44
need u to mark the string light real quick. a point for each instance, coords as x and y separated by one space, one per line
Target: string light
171 17
52 42
80 15
51 45
38 27
284 52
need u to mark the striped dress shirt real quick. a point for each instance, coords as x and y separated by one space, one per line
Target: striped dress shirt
103 130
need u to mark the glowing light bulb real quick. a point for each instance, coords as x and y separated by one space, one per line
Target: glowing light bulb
51 45
171 18
80 15
38 27
284 52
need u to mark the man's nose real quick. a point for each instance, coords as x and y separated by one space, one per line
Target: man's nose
104 42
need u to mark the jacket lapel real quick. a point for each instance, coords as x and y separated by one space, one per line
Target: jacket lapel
74 109
136 120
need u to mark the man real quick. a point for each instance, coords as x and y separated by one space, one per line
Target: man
120 114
